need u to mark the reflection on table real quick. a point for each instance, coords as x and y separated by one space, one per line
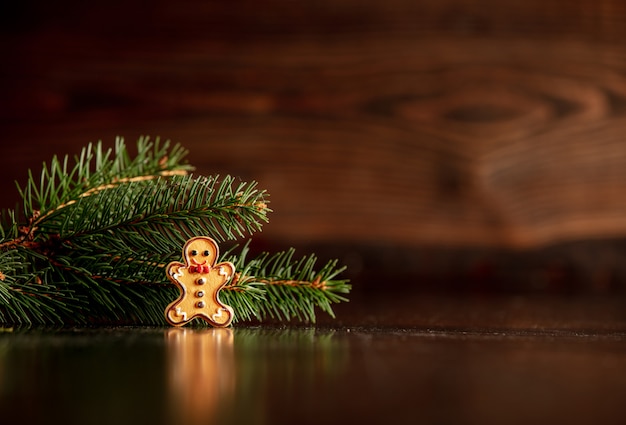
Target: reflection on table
200 373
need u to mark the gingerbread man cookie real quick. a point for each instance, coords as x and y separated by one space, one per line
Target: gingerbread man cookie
199 281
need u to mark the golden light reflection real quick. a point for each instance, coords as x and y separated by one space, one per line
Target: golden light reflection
201 373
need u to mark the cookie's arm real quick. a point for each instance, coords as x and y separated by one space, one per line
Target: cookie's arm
174 313
226 270
175 270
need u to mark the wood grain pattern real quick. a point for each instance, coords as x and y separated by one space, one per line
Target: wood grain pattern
449 123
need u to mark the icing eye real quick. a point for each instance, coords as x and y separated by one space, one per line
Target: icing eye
193 252
206 253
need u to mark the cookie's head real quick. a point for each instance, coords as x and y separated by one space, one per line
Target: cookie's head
200 250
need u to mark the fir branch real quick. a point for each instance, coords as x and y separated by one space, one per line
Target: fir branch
285 288
178 208
25 298
92 242
96 169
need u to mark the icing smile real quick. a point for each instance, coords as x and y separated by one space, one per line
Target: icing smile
198 264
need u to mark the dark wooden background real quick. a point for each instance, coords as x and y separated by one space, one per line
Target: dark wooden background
459 144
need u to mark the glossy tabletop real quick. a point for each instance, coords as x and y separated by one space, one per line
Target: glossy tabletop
422 359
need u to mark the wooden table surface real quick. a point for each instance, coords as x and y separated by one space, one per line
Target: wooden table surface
405 359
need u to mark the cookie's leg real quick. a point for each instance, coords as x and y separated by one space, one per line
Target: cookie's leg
222 315
175 313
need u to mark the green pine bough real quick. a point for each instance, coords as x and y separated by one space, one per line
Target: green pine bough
91 240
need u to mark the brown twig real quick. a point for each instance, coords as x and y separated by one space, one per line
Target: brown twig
239 279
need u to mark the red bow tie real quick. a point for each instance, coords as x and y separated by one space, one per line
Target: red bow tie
202 268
